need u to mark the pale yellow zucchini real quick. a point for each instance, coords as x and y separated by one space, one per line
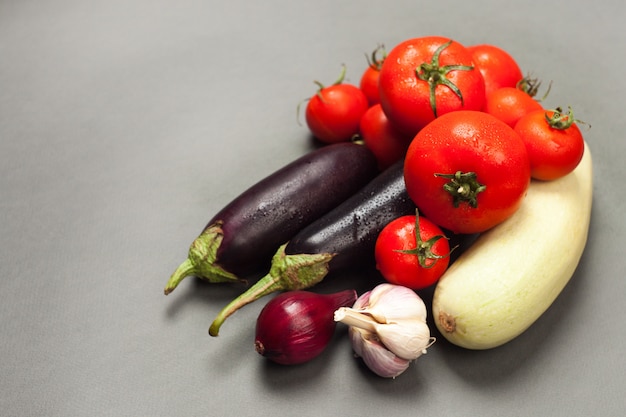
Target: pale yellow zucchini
510 276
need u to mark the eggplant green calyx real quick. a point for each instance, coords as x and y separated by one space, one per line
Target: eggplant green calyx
436 75
287 273
424 249
202 260
463 187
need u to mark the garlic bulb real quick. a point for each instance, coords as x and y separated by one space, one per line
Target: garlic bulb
375 355
387 328
387 303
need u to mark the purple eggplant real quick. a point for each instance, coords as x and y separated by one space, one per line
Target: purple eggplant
344 237
349 232
240 239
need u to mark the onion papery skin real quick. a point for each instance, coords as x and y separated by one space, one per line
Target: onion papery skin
296 326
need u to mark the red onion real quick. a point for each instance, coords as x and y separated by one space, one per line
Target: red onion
296 326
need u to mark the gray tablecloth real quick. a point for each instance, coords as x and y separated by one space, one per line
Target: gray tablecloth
126 124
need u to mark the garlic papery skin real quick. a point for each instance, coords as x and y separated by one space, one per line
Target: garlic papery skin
379 320
375 355
388 303
408 339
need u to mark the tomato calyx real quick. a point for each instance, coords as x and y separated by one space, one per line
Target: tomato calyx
435 75
463 187
320 86
424 249
531 87
560 120
376 59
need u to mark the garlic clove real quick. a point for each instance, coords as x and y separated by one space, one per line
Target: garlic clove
363 301
408 339
388 303
379 359
357 339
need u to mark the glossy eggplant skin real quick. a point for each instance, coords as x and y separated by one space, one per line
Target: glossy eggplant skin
350 230
345 237
240 239
270 212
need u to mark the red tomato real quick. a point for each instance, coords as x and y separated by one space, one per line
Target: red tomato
498 67
412 251
423 78
509 104
387 143
369 79
554 143
467 171
333 114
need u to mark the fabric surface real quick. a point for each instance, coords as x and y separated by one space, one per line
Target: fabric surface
124 125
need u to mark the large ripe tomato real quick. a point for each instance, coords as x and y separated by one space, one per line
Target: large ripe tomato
333 114
387 143
467 171
554 143
426 77
509 104
498 67
369 78
412 251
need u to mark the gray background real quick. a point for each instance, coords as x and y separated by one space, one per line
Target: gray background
125 124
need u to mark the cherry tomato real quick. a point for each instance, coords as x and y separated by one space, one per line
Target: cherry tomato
554 142
426 77
498 67
369 79
412 251
387 143
509 104
333 114
467 171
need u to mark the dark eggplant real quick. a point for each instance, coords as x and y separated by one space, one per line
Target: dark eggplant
240 239
344 237
350 231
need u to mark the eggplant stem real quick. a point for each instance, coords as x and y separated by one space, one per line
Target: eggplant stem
185 269
202 260
287 273
263 287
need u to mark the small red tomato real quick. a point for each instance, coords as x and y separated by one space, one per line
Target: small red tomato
369 79
509 104
412 251
333 114
387 143
467 171
554 142
498 67
423 78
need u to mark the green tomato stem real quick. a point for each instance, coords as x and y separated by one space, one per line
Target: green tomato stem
375 61
464 187
531 87
559 120
435 75
424 249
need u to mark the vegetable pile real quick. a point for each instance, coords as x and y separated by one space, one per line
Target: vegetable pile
439 142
